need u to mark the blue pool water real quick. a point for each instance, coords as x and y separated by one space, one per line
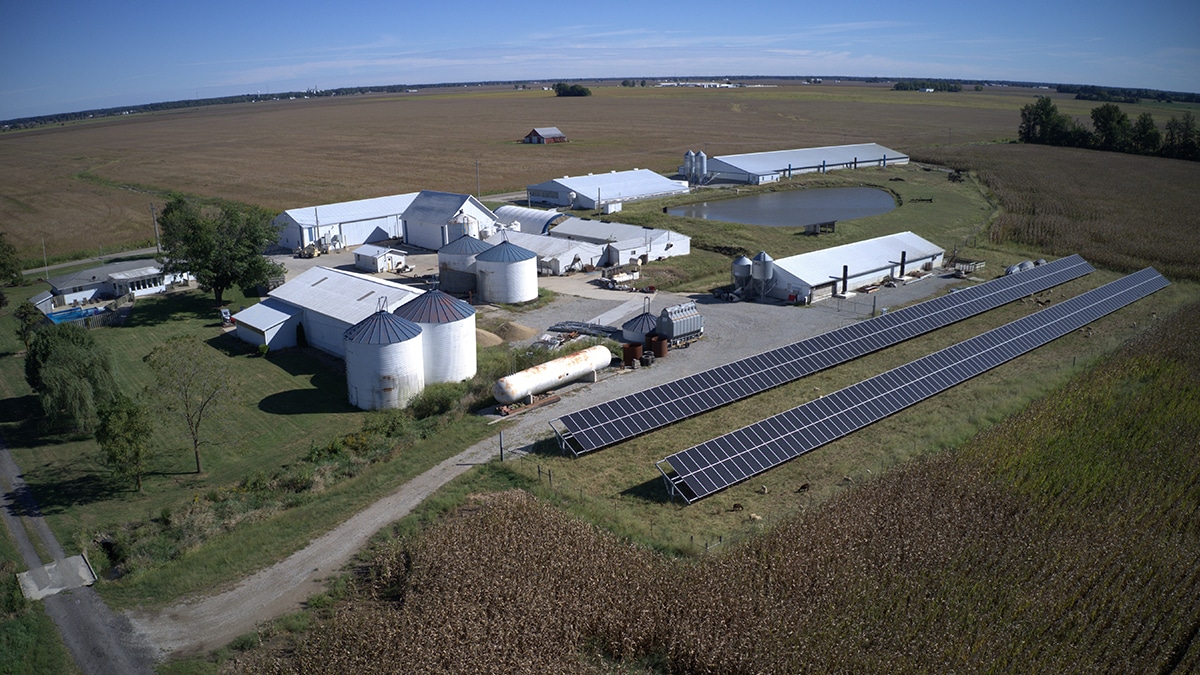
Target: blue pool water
74 313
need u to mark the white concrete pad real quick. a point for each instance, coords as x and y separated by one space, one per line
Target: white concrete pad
55 577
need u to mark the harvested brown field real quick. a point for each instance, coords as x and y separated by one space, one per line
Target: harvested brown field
90 185
1064 540
1122 212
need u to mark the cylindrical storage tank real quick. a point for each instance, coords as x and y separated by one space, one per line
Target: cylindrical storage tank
689 165
456 264
448 332
762 267
631 352
1026 265
1011 269
506 273
551 374
701 165
385 362
636 329
742 268
658 345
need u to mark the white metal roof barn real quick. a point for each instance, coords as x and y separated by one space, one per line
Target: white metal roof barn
595 190
555 255
625 242
356 222
533 221
332 301
435 219
768 167
819 274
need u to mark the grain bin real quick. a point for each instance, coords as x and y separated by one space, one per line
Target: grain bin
524 384
456 264
762 267
385 365
742 268
636 329
506 273
448 333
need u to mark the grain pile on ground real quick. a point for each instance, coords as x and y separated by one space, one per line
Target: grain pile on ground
514 332
486 338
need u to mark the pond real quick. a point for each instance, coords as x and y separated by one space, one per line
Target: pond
793 208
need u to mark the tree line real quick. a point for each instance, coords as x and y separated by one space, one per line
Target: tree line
1088 92
1111 130
564 89
921 85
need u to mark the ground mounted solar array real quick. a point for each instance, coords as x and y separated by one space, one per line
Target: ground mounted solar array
621 419
714 465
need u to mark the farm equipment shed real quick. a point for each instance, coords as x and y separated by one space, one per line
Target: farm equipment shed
352 223
595 190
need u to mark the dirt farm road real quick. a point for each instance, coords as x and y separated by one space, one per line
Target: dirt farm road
192 628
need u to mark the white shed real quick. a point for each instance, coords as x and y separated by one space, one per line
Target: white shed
372 258
271 322
625 242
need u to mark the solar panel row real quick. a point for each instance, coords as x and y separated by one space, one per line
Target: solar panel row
716 464
621 419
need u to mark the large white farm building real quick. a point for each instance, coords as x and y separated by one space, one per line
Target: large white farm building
814 276
596 190
344 224
320 304
756 168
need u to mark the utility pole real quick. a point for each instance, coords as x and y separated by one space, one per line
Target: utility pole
154 219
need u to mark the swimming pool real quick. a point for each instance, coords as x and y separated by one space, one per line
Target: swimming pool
75 313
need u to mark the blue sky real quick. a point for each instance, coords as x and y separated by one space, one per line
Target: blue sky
62 56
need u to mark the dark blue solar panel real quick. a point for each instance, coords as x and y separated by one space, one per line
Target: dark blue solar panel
711 466
605 424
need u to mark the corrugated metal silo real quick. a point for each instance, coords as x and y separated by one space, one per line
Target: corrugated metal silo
762 267
742 268
506 273
701 166
448 333
385 363
456 264
689 166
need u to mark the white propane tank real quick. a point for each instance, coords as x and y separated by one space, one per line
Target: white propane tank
551 374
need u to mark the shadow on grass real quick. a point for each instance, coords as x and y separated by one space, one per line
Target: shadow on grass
59 495
19 409
327 395
153 311
650 491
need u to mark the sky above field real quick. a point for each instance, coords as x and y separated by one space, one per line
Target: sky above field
73 55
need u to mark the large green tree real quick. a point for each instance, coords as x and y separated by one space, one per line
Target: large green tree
194 386
10 266
1182 138
29 319
1111 127
71 375
1145 138
222 247
124 436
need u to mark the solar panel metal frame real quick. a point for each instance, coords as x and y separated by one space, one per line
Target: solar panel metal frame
620 419
726 460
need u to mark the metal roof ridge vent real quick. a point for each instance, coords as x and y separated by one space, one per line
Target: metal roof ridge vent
319 280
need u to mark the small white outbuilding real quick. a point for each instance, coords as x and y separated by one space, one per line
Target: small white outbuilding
372 258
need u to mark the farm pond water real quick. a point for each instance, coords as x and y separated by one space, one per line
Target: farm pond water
793 208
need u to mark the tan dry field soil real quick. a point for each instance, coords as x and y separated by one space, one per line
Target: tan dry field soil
90 185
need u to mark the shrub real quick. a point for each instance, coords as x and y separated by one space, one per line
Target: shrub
437 399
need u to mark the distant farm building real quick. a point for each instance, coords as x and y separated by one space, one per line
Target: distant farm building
542 135
555 255
814 276
624 243
345 223
757 168
318 306
139 277
435 219
594 191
